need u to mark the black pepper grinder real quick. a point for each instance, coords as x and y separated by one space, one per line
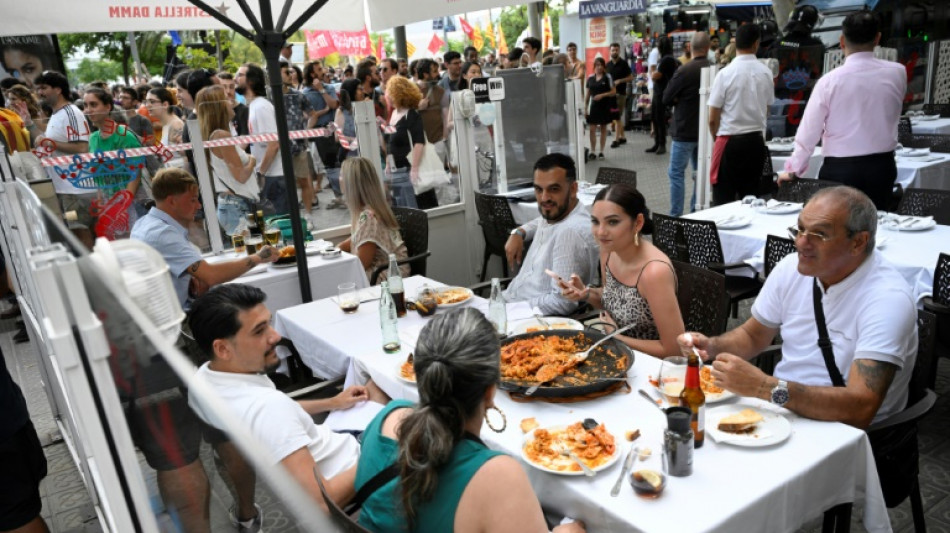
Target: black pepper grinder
678 442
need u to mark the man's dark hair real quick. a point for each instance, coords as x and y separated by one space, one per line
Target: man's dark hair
391 63
6 83
255 79
664 45
199 79
424 67
515 54
571 45
53 79
412 67
214 315
181 79
860 28
364 70
533 41
103 96
747 35
469 49
450 56
131 92
615 44
557 160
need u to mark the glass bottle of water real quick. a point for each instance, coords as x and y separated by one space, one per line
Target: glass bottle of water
497 313
388 320
394 277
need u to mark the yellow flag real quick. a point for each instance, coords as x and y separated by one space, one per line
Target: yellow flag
410 49
502 45
490 34
477 41
548 36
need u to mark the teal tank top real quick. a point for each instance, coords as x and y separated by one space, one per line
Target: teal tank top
383 512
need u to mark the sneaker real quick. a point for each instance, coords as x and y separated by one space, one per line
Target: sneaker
600 156
592 157
615 144
253 525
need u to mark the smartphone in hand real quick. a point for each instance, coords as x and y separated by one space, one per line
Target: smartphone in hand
560 281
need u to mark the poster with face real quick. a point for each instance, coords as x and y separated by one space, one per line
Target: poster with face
25 57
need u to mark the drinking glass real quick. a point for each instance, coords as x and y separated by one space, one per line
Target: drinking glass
253 245
272 235
747 200
672 378
348 297
758 204
238 241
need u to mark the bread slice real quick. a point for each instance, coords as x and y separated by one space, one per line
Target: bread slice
741 422
528 424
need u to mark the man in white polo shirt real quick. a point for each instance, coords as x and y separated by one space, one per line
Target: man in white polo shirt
869 310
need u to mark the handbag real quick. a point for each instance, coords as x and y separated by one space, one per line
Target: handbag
432 172
894 448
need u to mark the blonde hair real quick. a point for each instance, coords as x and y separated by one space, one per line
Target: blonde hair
211 106
362 189
403 92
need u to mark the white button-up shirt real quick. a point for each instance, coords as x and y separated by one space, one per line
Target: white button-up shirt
743 90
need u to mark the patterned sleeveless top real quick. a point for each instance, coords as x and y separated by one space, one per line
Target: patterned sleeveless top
627 306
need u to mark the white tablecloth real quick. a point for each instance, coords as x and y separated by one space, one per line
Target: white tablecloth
929 173
776 488
940 126
913 253
283 287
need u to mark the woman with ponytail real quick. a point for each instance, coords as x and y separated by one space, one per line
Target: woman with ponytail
443 478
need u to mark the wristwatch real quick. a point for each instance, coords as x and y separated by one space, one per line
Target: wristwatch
519 231
780 393
322 91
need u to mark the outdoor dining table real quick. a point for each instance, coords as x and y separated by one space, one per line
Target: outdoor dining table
938 126
280 283
931 172
822 465
913 253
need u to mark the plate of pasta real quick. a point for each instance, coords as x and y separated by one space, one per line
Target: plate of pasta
406 372
449 297
672 386
546 448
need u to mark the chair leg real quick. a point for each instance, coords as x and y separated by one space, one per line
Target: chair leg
734 308
504 266
485 264
837 519
917 508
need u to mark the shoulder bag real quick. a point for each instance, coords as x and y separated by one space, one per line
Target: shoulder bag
432 172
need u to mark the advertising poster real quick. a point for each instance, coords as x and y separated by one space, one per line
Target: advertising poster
26 56
598 42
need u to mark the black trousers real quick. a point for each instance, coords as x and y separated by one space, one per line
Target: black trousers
658 117
873 174
740 168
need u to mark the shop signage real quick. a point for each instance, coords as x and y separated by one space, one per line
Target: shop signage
611 8
488 89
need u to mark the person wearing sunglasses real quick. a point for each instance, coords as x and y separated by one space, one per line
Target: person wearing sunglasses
836 280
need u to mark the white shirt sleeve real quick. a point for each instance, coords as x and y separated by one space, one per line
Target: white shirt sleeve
886 324
717 94
278 425
769 307
570 257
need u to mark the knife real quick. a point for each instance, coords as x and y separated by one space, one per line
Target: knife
627 463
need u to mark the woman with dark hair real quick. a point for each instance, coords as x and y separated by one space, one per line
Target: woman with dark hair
447 479
639 282
161 104
661 78
351 91
598 103
470 70
24 56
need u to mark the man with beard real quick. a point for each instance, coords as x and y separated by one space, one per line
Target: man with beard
433 105
403 67
129 101
233 327
560 240
240 110
251 82
368 76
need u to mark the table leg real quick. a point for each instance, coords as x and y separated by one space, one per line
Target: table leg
837 519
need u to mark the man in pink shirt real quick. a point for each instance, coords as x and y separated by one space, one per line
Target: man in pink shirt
854 111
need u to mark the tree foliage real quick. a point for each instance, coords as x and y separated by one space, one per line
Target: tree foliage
94 69
115 47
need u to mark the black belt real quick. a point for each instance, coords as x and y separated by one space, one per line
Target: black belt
855 158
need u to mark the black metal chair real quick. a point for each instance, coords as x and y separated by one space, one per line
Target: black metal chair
926 202
299 382
800 190
939 304
904 130
414 229
611 175
776 248
936 142
697 242
497 221
344 521
701 295
767 185
937 109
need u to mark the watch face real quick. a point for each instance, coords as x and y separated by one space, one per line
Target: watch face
779 396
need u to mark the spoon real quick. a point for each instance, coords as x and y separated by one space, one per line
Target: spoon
580 357
542 321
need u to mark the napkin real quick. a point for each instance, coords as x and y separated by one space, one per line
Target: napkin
355 418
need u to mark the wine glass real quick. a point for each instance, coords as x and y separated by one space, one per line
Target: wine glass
747 200
758 205
672 378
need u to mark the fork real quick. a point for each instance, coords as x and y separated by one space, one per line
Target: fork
563 450
542 321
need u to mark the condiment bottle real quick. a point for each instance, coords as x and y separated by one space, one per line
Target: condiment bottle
394 277
692 396
678 442
388 320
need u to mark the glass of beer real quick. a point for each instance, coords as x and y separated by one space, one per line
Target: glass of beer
253 245
272 235
672 378
237 240
348 297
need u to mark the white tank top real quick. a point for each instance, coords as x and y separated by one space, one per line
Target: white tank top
224 182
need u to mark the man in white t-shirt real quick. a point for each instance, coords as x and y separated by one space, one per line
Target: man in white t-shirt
233 326
68 132
652 61
261 118
869 311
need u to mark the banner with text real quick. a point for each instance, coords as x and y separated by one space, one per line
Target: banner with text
611 8
322 43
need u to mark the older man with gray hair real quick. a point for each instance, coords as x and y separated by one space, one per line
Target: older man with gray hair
836 288
683 94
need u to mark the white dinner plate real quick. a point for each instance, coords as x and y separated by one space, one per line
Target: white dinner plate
912 153
781 147
529 436
773 429
710 396
456 304
402 378
919 224
733 221
315 247
924 118
556 322
781 208
292 264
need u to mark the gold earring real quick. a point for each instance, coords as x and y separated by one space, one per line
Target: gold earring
504 420
636 239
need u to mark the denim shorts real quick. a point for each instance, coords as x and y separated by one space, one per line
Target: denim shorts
401 187
231 211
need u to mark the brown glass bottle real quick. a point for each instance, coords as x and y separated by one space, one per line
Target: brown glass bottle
692 396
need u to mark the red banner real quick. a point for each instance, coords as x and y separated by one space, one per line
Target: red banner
435 44
349 43
466 27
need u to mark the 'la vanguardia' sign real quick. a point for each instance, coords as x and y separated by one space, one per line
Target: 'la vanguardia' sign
611 8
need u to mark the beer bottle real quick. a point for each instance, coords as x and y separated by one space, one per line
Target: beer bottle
692 396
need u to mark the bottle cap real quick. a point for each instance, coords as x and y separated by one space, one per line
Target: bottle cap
678 419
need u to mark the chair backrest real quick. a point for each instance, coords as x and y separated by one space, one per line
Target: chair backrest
692 241
925 368
496 220
936 142
767 185
611 175
338 516
904 131
937 109
701 294
414 228
926 202
776 248
941 287
664 235
801 189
